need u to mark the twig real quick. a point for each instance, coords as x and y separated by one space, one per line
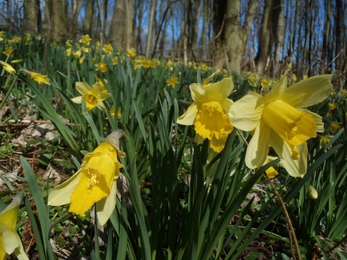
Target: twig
334 59
287 217
337 245
63 216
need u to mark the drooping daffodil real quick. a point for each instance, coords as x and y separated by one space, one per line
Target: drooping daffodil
7 67
10 241
92 96
94 182
38 77
280 120
208 112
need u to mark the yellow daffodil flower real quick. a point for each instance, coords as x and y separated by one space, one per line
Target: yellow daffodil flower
208 111
102 66
85 39
17 39
113 112
265 84
342 92
335 126
38 77
279 120
68 52
132 52
102 86
305 77
10 242
294 78
7 67
92 96
172 81
332 106
145 63
77 54
8 50
271 172
85 49
152 64
16 61
94 182
108 48
2 34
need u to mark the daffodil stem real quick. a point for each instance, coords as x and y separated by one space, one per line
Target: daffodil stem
293 236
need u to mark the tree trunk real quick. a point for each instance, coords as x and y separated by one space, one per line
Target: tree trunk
232 38
203 33
150 27
74 22
278 34
265 38
197 12
139 28
88 17
59 28
118 30
30 15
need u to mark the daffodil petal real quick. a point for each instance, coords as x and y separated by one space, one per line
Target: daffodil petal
101 105
61 194
279 89
220 90
83 88
317 119
258 147
295 168
309 92
77 100
11 240
245 113
196 91
103 95
188 117
92 187
226 104
105 206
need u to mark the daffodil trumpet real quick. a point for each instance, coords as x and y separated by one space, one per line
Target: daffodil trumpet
208 112
94 182
279 119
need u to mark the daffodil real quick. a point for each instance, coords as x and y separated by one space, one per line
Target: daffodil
305 77
132 52
8 50
102 66
208 111
108 48
279 120
38 77
152 64
94 182
92 96
77 54
102 86
172 81
113 112
10 242
335 126
7 67
85 39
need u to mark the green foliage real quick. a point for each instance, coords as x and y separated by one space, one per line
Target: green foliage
178 204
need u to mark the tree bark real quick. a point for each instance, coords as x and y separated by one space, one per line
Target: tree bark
88 18
30 15
118 30
150 27
233 36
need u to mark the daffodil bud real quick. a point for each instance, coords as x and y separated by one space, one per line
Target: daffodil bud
312 193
